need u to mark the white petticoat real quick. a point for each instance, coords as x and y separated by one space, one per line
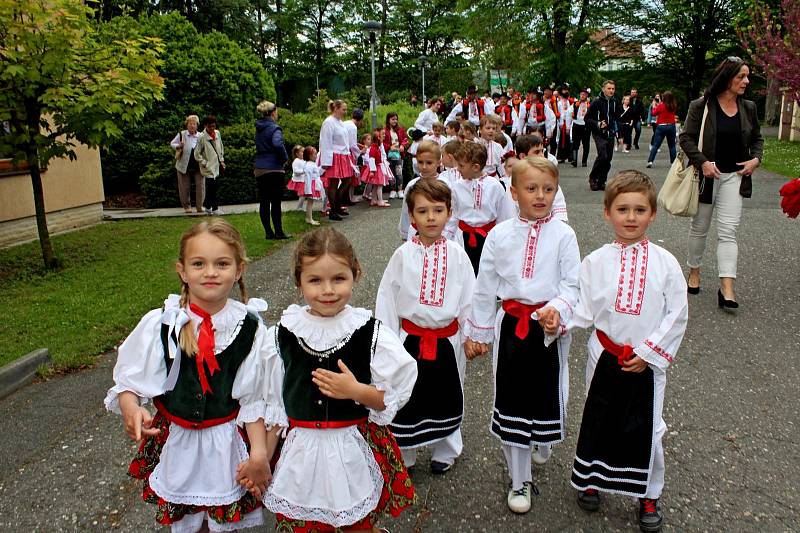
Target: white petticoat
198 466
326 475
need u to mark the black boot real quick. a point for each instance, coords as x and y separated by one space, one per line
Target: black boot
650 517
589 500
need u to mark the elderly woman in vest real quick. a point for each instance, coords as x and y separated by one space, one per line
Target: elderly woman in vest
269 170
187 167
732 150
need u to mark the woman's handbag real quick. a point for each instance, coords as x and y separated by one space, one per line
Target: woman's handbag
680 193
179 151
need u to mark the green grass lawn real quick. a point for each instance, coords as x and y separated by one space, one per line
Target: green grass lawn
782 157
111 275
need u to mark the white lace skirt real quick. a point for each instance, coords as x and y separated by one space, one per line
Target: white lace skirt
327 475
198 466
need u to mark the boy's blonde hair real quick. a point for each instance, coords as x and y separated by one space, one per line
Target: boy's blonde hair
630 181
429 147
493 119
542 164
474 153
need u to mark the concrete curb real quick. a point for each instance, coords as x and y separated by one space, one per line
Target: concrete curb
22 371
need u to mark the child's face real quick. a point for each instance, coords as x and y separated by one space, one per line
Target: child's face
326 283
630 214
536 151
509 164
451 131
448 160
368 141
437 130
428 164
312 154
534 193
488 130
468 135
210 269
468 170
429 217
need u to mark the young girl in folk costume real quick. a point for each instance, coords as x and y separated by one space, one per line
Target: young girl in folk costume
335 377
366 143
379 170
634 295
531 263
199 360
312 188
298 181
425 297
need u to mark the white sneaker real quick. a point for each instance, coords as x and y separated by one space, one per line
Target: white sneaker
400 194
208 211
626 151
541 454
616 148
217 212
519 501
393 194
649 164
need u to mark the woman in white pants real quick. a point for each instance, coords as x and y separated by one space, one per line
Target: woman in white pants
732 150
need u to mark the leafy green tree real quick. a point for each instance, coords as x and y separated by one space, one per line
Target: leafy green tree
62 81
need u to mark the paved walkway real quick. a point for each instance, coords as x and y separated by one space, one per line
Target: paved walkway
154 212
732 406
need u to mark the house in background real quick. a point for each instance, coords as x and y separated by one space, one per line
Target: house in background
73 196
619 53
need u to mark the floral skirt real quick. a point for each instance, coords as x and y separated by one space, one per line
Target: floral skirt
168 513
398 490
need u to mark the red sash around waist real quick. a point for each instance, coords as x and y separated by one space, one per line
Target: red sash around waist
323 424
188 424
429 336
622 352
472 230
522 312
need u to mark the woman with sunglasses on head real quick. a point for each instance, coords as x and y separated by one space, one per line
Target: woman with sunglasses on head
732 150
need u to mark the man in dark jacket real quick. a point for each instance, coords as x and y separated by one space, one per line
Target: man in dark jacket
637 106
600 118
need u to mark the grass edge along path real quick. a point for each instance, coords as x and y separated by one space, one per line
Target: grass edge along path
112 274
782 157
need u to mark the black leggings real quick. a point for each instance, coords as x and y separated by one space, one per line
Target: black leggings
210 201
270 192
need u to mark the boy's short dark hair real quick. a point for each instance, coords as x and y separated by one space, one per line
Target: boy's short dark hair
454 124
416 135
630 181
472 152
524 143
469 126
452 147
435 190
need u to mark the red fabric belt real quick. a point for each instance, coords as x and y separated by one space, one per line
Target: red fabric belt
472 230
622 352
429 336
522 312
188 424
324 424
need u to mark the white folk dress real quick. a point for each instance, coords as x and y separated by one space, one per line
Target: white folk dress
330 475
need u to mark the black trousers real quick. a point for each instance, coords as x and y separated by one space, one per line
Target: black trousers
602 164
580 137
210 201
270 192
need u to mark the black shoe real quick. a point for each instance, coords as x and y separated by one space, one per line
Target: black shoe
439 468
334 216
574 163
730 306
283 236
583 164
635 146
650 517
269 235
589 500
693 290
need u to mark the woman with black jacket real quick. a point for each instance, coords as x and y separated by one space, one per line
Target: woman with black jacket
269 170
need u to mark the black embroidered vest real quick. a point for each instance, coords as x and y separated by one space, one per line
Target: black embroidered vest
186 404
302 399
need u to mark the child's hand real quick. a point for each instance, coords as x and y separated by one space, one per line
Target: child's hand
136 419
339 385
634 364
549 319
254 475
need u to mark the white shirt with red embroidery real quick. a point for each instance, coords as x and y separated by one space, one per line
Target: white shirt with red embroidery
494 157
407 230
480 201
531 261
635 294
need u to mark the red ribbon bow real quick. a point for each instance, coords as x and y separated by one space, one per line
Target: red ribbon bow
522 312
622 352
428 337
483 231
205 348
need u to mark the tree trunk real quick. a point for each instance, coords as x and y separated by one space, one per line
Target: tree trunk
32 118
773 103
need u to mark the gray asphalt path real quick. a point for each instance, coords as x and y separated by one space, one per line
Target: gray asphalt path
732 448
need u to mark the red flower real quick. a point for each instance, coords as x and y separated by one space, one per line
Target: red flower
790 203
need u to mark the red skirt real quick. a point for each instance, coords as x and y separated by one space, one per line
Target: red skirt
342 168
398 490
378 177
365 174
168 513
297 186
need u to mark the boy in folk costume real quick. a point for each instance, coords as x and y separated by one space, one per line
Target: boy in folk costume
425 297
580 131
531 263
634 294
506 113
494 151
564 103
473 107
551 117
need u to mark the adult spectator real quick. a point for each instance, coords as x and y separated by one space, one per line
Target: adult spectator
603 113
210 156
637 107
269 169
625 123
651 118
430 116
732 150
186 166
335 158
472 107
395 143
664 113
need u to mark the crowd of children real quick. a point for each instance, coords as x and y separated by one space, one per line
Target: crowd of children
319 418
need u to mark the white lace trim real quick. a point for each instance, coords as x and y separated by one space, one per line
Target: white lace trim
478 333
111 400
276 504
321 333
251 412
274 415
391 402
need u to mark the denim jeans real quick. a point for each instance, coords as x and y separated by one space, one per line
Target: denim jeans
663 130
